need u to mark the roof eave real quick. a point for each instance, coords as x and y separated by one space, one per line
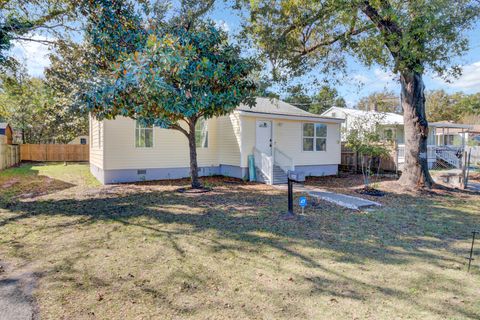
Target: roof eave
290 117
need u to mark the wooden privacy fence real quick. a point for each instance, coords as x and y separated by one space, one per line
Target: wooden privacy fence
9 155
352 161
54 152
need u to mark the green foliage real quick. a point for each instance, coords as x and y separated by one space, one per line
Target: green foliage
317 103
21 19
326 98
30 106
166 73
364 138
399 35
441 106
297 96
384 101
179 74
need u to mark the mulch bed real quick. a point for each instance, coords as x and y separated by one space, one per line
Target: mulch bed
193 191
371 192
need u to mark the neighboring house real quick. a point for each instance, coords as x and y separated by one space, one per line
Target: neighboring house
79 140
280 136
391 123
6 133
445 140
454 134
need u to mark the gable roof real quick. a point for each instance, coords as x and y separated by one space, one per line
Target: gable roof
386 117
281 109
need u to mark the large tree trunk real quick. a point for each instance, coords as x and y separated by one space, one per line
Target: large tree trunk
415 174
193 156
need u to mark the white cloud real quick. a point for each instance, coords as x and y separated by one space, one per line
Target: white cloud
34 55
469 80
222 25
382 75
360 78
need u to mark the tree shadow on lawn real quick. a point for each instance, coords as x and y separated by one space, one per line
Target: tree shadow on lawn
411 229
412 224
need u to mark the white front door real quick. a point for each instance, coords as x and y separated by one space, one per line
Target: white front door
263 141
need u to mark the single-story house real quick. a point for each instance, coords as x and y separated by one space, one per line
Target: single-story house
279 136
454 134
79 140
6 133
442 146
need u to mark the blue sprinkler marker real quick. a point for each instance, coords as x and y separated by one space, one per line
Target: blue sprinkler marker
303 203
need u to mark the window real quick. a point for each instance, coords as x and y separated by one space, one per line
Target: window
314 137
143 136
201 133
83 141
388 134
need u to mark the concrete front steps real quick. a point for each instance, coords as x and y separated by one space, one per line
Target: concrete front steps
279 176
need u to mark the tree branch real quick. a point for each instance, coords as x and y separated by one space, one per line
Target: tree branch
179 128
334 39
387 27
34 40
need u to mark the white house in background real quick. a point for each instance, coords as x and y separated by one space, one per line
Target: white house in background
79 140
445 139
280 136
392 123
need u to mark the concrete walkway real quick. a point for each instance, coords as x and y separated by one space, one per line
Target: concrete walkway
474 186
346 201
16 300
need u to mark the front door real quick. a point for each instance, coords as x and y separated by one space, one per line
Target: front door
263 141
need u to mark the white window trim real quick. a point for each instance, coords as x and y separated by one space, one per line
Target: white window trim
135 137
314 137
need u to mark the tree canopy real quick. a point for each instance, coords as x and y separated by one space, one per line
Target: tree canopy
32 108
383 101
168 74
318 102
442 106
406 37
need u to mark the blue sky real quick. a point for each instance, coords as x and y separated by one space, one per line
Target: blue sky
359 82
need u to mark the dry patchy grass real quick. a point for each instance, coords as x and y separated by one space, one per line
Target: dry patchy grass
144 251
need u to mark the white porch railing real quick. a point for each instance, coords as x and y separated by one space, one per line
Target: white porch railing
283 161
446 154
431 154
449 155
264 163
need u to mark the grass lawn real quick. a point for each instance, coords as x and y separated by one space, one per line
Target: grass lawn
144 251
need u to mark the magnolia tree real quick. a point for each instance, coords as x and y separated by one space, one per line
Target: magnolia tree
176 74
364 138
407 38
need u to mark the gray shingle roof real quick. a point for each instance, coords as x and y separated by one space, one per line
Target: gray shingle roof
275 106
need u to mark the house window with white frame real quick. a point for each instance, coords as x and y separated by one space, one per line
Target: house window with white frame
314 137
143 136
201 133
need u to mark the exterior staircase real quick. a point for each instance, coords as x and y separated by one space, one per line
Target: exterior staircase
448 157
279 176
272 169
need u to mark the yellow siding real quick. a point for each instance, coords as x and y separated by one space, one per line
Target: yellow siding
229 142
170 147
287 137
96 145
